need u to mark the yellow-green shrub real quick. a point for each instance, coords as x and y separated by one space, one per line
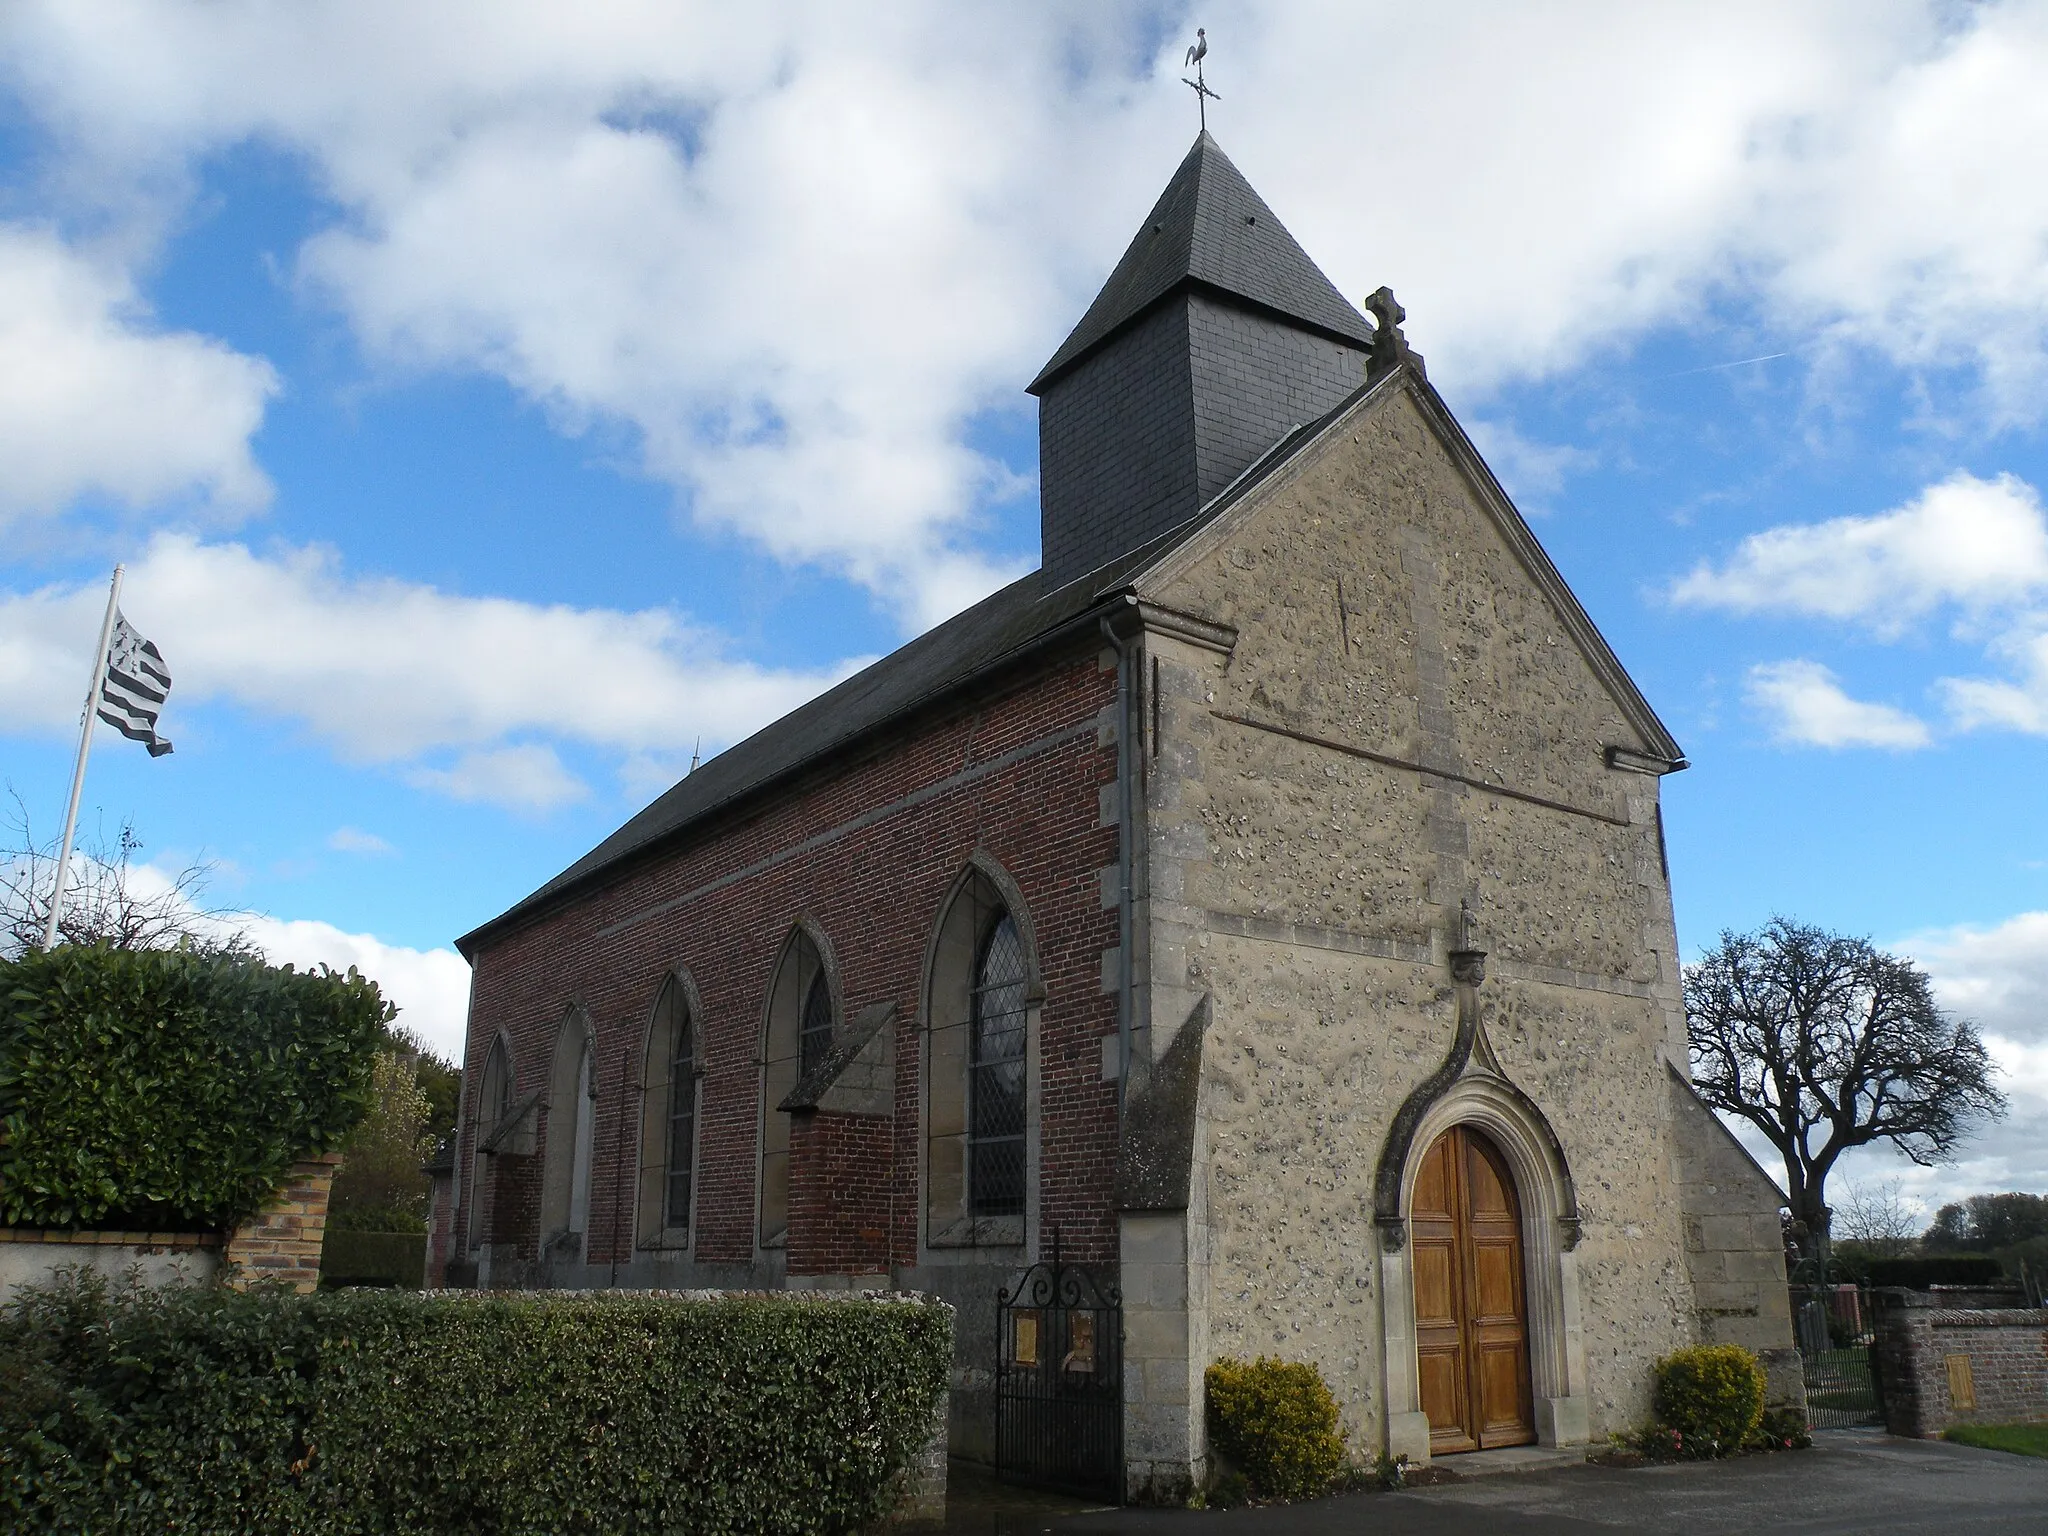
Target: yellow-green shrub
1277 1420
1711 1397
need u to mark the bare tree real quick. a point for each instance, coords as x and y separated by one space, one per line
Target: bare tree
105 900
1824 1042
1877 1218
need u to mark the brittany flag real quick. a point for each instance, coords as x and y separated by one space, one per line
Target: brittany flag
133 690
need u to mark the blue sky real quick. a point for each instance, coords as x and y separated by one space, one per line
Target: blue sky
493 402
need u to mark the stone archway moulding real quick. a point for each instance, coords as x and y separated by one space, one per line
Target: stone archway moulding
1470 1089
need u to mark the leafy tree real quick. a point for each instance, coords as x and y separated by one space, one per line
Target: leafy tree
1986 1223
1824 1042
379 1186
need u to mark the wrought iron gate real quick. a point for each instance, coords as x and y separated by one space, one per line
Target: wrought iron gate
1834 1327
1060 1379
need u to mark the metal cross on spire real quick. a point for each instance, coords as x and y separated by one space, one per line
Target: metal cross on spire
1203 95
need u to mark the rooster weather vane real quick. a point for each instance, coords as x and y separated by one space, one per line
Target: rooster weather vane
1203 95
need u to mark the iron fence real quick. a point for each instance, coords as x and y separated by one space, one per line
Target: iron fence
1059 1379
1834 1326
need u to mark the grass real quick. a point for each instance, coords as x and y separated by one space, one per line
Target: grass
2020 1439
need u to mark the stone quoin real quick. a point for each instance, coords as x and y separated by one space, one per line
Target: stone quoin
1267 898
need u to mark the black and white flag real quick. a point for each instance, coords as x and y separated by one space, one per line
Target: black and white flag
133 691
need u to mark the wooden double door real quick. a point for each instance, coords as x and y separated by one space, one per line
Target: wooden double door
1471 1312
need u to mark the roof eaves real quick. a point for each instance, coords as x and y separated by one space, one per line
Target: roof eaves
551 894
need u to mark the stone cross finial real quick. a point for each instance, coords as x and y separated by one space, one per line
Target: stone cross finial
1389 346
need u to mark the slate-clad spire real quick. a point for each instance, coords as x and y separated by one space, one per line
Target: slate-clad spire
1209 227
1214 335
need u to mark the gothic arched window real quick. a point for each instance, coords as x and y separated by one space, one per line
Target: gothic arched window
795 1037
493 1104
670 1083
980 1005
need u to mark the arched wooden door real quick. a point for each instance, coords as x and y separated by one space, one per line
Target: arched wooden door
1471 1315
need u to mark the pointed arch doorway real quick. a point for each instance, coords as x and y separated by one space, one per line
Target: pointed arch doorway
1471 1298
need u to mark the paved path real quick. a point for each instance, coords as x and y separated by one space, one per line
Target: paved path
1851 1482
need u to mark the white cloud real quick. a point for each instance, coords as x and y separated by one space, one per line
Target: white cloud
530 776
93 402
429 986
397 672
1533 472
355 840
1997 976
795 249
1975 543
1808 708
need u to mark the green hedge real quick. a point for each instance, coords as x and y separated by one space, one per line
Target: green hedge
373 1258
1937 1269
160 1089
216 1412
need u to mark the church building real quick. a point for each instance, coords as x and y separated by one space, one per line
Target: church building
1260 910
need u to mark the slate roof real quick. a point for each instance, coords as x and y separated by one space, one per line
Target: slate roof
1001 628
1210 228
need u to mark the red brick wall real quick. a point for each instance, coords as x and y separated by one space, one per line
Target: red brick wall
841 1178
875 892
2007 1352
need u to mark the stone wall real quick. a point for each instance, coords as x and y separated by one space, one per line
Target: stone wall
1734 1244
30 1256
1940 1366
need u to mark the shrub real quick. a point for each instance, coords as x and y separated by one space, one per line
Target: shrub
1937 1269
1710 1398
1781 1429
342 1412
170 1088
1278 1422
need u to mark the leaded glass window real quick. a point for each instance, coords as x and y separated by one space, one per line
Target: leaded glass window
815 1038
682 1123
995 1086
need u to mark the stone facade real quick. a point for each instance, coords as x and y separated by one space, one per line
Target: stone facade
1403 726
1942 1365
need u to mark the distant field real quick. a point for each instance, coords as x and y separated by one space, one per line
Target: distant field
2020 1439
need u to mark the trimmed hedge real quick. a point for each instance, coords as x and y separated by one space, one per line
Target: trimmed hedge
211 1411
357 1257
165 1089
1277 1420
1938 1269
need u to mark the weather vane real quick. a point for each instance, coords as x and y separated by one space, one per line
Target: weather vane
1203 95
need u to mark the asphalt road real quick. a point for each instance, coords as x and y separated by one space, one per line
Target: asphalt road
1850 1483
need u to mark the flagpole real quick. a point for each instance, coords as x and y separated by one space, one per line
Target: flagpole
92 698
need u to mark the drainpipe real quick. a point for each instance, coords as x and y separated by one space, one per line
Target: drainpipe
1126 856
